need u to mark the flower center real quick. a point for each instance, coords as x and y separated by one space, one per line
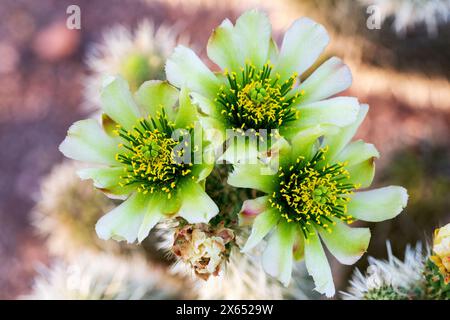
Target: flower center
150 157
255 100
312 192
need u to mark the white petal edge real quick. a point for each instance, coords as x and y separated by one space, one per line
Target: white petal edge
223 47
254 32
185 69
86 141
357 152
303 43
155 94
251 176
118 102
124 221
337 141
196 206
107 180
332 77
378 204
338 111
262 225
277 258
318 266
151 218
345 243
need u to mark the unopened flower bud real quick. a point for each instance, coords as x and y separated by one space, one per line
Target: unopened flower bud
441 249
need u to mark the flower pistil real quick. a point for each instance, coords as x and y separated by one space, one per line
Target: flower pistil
312 192
150 156
255 99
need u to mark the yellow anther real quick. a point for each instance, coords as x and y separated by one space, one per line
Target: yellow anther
313 194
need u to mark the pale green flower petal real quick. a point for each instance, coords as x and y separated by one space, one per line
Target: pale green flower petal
201 171
360 157
214 130
254 31
214 134
357 152
124 221
152 216
185 69
273 51
155 94
332 77
251 176
231 47
336 142
196 205
262 225
339 111
107 180
240 149
362 174
318 266
303 43
378 204
345 243
304 141
133 219
299 247
86 141
109 125
282 149
253 207
187 113
118 103
277 258
223 47
205 105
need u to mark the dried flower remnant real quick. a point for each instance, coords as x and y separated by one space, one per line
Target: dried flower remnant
204 247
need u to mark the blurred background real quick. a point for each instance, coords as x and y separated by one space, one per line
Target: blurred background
47 81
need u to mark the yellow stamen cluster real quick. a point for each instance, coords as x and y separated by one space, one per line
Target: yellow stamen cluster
313 192
150 158
255 100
